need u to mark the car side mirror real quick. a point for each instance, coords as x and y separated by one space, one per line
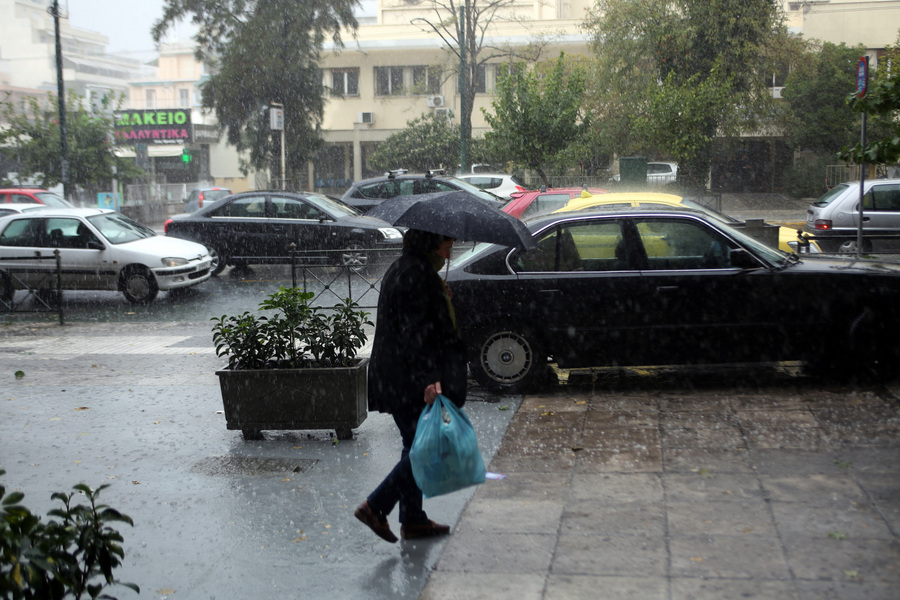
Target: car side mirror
95 245
742 259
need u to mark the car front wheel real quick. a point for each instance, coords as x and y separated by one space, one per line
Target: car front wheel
139 285
508 361
216 260
354 255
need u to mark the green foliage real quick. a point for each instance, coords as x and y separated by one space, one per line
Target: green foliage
805 178
428 142
33 138
882 104
537 114
263 53
665 67
297 335
814 115
73 555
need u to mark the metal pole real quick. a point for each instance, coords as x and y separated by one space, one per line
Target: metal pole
61 101
862 189
283 172
463 137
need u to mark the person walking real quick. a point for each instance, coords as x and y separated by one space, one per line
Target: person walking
416 354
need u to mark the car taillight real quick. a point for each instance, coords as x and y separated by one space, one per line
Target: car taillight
519 188
166 226
823 224
200 200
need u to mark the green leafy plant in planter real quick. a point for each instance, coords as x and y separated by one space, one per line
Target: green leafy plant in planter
286 368
71 556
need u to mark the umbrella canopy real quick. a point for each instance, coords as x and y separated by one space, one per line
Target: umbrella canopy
457 214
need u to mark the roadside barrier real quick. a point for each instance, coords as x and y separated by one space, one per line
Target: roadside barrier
45 298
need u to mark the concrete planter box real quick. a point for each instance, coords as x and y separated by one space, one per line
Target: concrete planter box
321 398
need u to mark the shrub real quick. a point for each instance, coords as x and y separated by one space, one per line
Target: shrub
73 556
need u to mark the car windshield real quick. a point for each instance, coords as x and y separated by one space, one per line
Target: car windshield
333 207
51 199
119 229
465 185
826 198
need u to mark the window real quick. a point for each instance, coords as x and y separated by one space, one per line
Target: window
545 203
184 98
345 82
590 246
248 206
883 198
679 245
481 79
388 81
291 208
149 98
20 233
427 80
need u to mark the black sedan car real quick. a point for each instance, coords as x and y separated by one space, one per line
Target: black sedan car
367 194
259 227
641 287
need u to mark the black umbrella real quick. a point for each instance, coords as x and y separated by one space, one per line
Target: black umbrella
457 214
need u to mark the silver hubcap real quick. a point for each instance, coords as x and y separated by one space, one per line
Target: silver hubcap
507 357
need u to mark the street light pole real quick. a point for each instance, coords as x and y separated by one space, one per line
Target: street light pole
61 101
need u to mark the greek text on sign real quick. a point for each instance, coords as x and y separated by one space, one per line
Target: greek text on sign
162 126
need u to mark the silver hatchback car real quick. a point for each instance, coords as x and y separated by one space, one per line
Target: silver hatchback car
834 218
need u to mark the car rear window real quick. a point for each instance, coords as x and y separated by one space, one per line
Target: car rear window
829 196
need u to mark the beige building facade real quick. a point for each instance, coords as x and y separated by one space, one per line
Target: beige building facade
398 68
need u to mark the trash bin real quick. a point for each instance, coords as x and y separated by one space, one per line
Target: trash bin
633 170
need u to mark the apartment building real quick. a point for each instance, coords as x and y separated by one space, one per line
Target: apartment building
28 55
397 69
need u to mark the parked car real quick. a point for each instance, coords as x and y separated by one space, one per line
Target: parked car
99 250
525 205
658 173
834 218
501 185
788 238
33 196
19 208
369 193
649 287
259 227
201 196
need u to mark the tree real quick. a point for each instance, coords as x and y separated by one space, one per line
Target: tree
470 36
428 142
814 115
263 53
882 102
674 75
32 140
537 114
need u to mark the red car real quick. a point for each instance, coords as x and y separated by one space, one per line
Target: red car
527 204
32 196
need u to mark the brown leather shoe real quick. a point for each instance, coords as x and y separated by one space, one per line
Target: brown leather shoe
425 530
375 522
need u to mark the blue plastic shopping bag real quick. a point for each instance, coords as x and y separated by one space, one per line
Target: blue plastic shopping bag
444 453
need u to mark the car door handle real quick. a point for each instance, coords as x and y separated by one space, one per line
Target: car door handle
278 228
666 288
550 291
865 219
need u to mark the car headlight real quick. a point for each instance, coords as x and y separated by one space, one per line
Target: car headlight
172 261
390 233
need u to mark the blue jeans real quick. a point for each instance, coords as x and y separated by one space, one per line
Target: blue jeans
400 485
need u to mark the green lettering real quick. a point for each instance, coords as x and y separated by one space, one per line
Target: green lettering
180 118
162 118
150 119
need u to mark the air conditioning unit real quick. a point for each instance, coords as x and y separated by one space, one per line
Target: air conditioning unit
444 112
366 117
435 101
776 91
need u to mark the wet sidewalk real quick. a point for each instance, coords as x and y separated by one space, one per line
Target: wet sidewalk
613 489
793 494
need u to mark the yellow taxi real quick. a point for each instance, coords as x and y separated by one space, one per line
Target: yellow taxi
787 237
